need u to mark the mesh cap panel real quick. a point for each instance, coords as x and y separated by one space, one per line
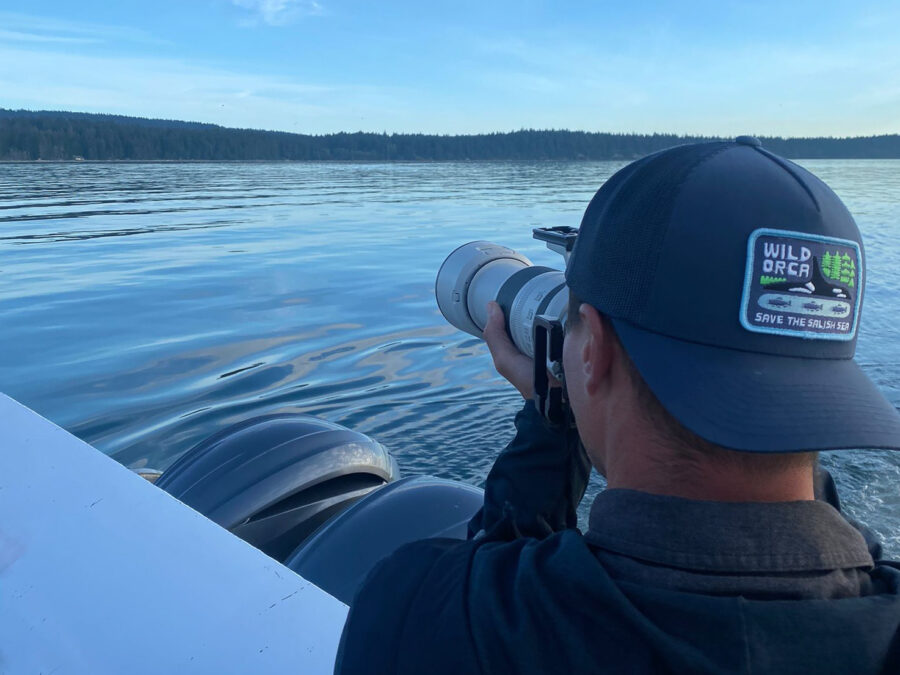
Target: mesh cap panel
614 270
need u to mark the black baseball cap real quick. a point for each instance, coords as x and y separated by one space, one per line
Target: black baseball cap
734 279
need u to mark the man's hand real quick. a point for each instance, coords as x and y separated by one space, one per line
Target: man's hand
508 360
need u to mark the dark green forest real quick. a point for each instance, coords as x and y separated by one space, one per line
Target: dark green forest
49 135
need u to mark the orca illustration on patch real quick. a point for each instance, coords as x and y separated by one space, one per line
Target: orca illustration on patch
801 285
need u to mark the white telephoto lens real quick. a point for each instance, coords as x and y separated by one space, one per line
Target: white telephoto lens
479 272
456 275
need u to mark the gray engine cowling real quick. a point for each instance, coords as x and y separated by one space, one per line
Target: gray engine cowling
340 554
273 480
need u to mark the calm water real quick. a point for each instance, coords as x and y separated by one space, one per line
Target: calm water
146 306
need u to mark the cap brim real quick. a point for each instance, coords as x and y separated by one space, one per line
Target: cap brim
763 403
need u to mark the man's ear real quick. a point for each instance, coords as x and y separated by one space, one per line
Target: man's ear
597 351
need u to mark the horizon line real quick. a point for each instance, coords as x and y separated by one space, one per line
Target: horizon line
443 135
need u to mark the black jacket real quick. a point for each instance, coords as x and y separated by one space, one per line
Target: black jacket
657 584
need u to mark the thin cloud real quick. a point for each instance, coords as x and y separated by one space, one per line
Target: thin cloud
17 36
278 12
33 28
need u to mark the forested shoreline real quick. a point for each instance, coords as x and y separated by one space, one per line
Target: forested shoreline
54 136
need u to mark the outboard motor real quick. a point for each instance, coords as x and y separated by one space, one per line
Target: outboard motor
273 480
321 499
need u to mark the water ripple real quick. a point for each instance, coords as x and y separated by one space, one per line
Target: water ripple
272 287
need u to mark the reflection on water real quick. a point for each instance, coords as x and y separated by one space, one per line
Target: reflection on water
146 306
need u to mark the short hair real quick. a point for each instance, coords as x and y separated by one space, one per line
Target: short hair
689 446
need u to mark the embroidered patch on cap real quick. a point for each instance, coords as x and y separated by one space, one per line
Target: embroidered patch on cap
801 285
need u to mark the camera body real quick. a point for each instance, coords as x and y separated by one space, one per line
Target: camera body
534 300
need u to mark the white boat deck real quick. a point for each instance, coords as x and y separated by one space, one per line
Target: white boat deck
101 572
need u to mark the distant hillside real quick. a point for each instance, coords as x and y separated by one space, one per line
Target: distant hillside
49 135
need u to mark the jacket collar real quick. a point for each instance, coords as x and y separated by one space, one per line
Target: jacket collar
726 536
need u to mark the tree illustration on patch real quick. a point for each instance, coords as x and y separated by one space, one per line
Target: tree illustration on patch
847 270
826 264
835 270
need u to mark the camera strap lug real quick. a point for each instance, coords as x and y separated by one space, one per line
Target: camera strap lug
551 401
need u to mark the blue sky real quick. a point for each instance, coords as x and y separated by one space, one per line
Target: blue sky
774 68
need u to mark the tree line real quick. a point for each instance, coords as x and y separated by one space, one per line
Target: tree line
50 135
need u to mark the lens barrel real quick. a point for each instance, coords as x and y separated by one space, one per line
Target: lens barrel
478 272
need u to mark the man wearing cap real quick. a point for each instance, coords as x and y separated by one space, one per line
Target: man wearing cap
715 301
